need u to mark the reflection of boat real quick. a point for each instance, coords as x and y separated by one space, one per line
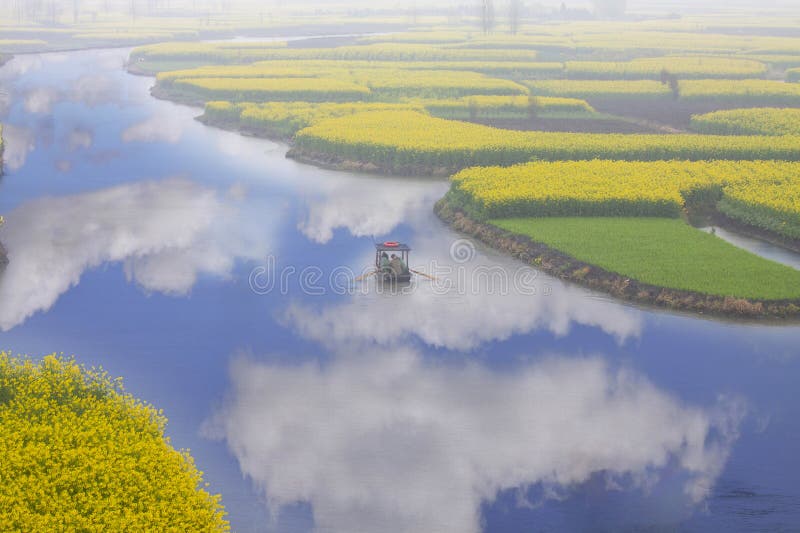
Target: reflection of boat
392 271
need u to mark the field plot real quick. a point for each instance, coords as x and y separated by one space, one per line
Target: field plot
713 92
327 67
655 67
284 119
761 193
407 138
378 84
280 89
499 106
755 121
662 252
601 89
225 53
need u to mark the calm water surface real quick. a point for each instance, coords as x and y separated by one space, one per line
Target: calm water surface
211 273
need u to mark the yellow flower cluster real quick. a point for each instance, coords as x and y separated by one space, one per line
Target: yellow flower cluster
768 92
492 105
752 121
314 68
237 53
635 39
651 68
764 193
286 118
769 200
290 83
17 43
79 454
624 89
390 83
280 89
777 61
427 37
199 51
272 69
397 138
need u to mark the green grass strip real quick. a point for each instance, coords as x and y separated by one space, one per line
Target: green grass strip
663 252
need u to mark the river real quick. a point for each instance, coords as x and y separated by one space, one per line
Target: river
215 276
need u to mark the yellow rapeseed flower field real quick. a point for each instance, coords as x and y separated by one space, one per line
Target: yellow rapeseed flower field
752 121
683 67
274 89
765 92
80 454
763 193
400 138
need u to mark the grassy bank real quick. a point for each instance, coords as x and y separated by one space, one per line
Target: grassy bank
568 268
663 252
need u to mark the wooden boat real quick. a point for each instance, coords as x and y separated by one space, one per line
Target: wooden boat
388 274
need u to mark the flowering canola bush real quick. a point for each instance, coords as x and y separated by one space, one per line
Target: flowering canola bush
279 89
80 454
768 92
314 68
762 193
753 121
625 89
289 117
230 52
394 139
484 106
746 92
289 82
651 68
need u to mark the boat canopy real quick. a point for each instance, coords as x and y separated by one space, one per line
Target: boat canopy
392 246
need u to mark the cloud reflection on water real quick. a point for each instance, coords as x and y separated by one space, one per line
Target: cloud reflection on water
477 309
17 144
391 442
366 206
166 233
154 129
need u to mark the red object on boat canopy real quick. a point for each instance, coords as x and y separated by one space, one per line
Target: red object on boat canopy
391 244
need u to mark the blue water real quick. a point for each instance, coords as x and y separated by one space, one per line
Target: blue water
186 258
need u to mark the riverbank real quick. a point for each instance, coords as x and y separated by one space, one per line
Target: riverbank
565 267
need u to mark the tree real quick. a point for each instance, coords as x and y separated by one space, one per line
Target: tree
670 79
533 107
609 8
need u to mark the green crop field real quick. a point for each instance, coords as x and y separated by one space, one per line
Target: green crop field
663 252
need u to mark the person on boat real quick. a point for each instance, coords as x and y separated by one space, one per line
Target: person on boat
384 263
396 264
